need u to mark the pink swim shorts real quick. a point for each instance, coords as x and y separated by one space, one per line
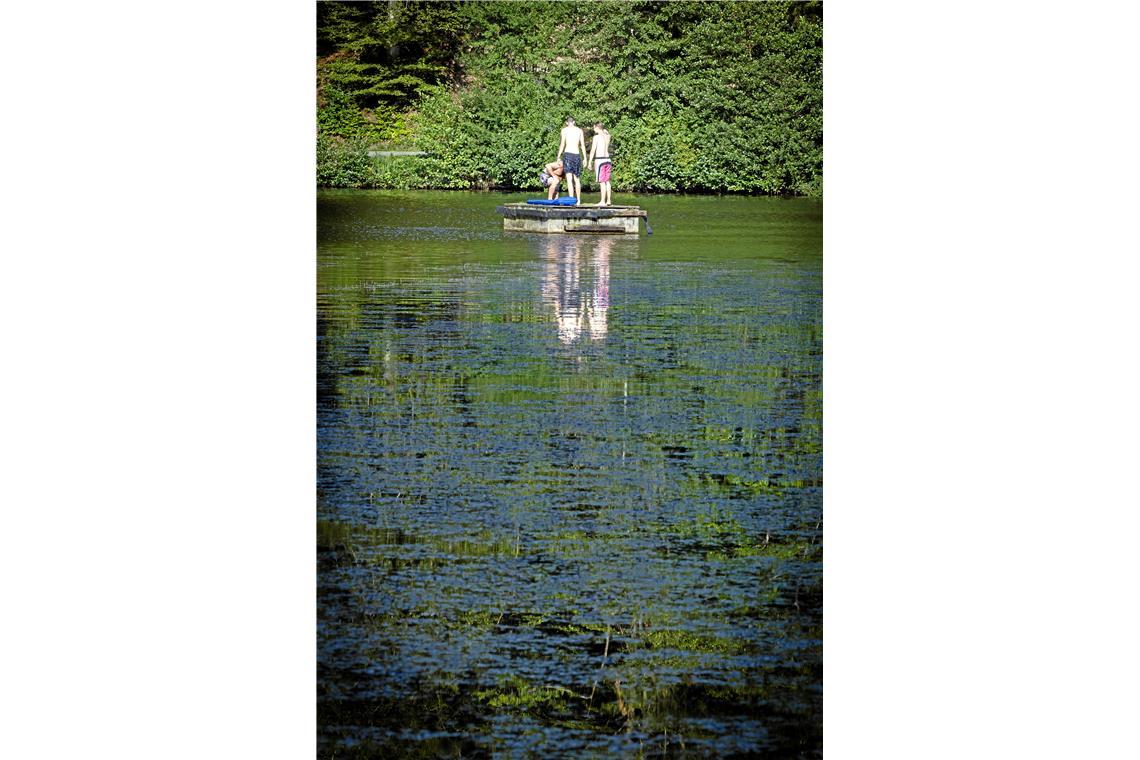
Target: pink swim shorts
603 171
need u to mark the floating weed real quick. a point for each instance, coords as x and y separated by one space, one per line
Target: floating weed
786 551
483 620
692 642
515 693
575 629
728 482
714 524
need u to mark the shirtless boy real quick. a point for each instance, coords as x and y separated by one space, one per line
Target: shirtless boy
551 178
570 148
600 149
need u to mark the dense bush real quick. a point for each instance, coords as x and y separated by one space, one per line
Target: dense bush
343 163
717 97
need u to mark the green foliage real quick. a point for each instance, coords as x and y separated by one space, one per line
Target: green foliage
710 97
338 115
343 163
386 52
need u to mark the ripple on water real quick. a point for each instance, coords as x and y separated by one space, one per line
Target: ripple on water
569 488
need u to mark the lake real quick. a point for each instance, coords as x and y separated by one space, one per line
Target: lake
569 486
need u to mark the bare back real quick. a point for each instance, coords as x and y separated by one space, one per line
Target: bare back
572 137
600 148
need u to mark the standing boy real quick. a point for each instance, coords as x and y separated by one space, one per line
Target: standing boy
600 149
570 148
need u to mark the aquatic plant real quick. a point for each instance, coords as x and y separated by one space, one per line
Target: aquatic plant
513 692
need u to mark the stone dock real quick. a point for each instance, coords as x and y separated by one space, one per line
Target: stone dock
524 217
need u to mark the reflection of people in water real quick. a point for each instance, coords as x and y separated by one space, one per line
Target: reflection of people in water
574 311
560 284
600 298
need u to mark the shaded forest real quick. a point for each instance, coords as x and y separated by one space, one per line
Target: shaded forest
723 97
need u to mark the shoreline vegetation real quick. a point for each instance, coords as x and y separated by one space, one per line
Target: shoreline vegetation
700 97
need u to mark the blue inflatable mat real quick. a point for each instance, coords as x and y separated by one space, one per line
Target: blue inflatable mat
566 201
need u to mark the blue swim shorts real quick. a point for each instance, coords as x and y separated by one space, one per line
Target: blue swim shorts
573 163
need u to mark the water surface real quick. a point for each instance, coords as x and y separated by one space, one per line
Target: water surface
569 486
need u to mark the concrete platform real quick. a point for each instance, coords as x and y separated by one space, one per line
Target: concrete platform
524 217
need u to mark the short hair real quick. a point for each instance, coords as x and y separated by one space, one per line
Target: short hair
569 119
599 124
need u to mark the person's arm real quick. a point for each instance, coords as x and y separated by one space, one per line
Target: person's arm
593 147
561 144
582 142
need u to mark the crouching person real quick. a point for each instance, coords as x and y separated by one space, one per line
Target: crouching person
551 178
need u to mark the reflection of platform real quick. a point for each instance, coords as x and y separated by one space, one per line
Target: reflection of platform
523 217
